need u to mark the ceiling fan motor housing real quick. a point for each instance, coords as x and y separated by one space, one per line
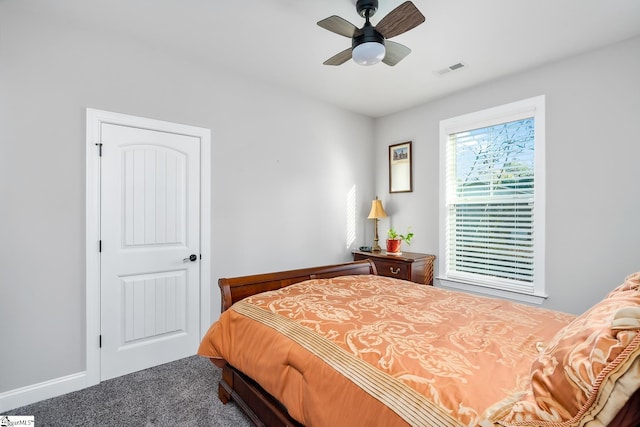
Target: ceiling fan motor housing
369 34
362 6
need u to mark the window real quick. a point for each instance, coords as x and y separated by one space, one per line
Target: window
492 201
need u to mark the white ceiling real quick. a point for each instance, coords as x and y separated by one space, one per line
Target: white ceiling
278 41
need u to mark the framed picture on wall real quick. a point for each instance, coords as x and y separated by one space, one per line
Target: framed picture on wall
400 170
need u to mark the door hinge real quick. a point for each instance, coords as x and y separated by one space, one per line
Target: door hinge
99 245
100 340
99 144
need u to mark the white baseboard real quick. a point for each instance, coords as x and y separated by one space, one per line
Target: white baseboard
45 390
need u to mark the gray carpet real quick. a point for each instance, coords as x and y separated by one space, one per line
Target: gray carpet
181 393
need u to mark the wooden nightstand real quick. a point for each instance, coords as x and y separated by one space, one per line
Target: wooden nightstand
408 266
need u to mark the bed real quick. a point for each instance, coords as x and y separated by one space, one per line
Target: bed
338 345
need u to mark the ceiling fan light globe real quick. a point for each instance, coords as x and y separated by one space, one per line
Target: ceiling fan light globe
369 53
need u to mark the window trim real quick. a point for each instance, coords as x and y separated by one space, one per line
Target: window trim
535 107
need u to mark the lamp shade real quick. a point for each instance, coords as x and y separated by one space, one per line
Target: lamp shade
368 53
377 211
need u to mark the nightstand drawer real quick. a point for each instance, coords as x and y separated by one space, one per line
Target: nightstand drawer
410 266
392 269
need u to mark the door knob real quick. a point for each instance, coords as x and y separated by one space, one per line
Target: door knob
191 258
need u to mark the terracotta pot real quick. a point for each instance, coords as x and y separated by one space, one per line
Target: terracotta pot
393 245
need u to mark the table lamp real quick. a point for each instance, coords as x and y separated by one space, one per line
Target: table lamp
377 212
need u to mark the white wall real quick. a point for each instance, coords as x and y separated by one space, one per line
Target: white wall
283 167
593 183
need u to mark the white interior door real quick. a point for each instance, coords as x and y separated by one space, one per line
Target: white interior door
150 248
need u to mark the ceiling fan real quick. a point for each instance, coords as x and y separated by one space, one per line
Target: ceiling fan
369 44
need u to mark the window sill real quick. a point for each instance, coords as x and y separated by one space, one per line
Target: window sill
448 283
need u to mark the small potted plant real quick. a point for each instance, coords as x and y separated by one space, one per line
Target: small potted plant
394 241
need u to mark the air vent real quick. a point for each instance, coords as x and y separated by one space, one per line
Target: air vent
450 68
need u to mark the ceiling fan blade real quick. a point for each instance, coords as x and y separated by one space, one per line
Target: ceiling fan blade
400 20
338 25
340 58
395 52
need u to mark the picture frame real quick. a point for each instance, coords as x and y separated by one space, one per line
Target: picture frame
400 168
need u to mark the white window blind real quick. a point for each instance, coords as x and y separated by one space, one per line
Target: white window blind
491 181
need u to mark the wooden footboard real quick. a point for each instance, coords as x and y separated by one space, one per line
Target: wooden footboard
237 288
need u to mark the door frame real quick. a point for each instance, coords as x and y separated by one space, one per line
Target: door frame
95 118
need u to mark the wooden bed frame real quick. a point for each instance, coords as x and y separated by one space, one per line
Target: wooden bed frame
262 408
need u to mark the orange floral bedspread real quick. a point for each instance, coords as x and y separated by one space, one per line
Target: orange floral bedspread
333 350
